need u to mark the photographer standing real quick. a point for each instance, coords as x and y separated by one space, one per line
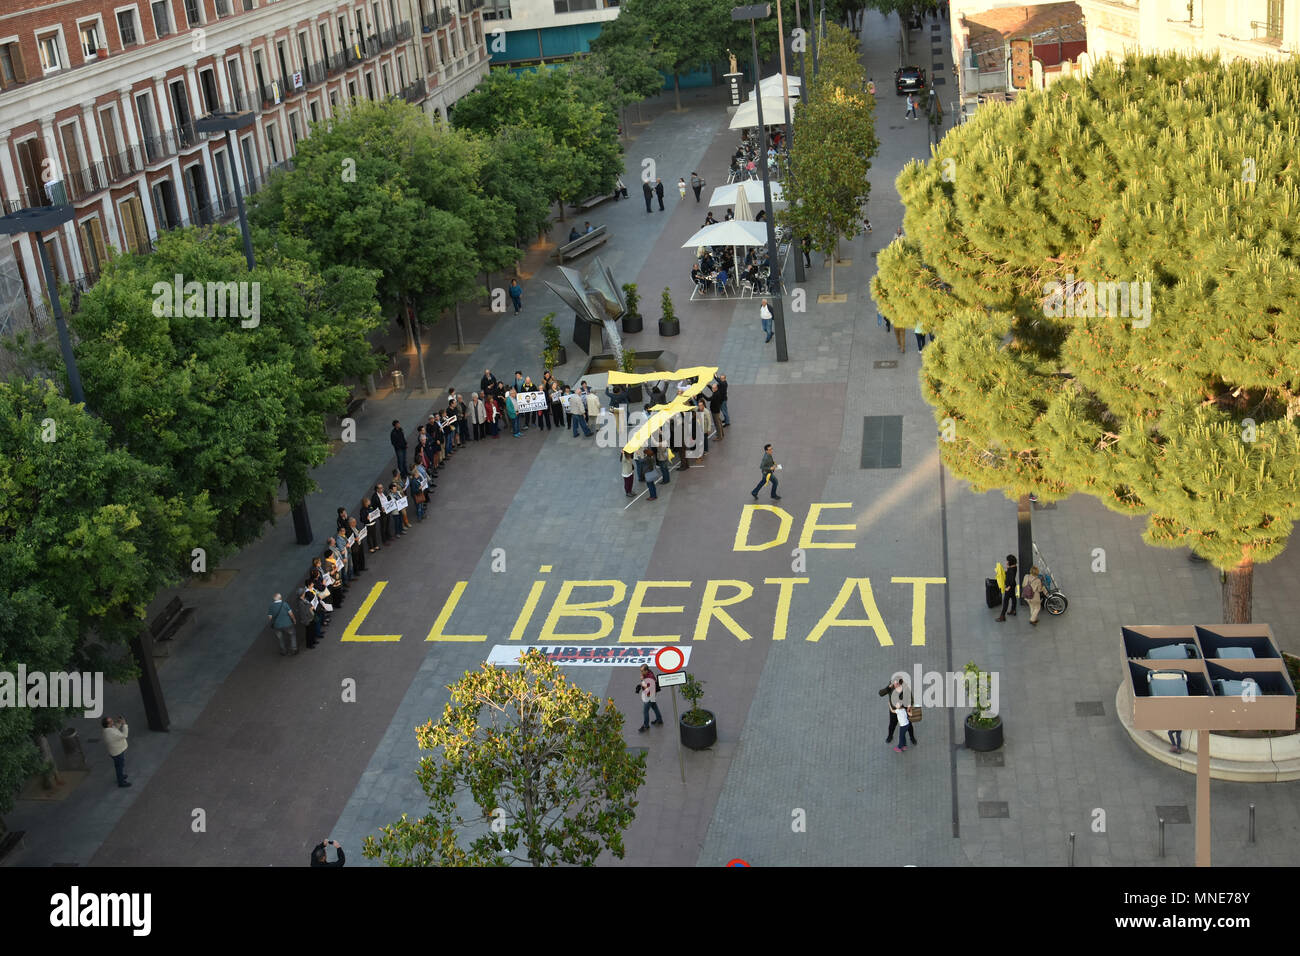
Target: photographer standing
115 731
318 857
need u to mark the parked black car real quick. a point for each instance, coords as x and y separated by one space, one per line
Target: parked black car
909 79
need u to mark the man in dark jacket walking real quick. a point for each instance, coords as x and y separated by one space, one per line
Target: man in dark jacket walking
696 184
398 439
768 467
649 192
659 193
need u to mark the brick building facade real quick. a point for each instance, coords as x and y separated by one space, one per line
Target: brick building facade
99 100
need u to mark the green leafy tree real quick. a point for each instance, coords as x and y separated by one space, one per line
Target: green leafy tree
573 112
88 534
833 141
1177 403
541 759
221 408
365 192
622 54
517 171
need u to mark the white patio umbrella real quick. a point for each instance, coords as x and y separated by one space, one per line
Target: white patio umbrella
743 209
771 86
747 113
752 189
734 232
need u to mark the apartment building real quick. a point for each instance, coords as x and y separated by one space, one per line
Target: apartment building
527 32
1234 29
99 101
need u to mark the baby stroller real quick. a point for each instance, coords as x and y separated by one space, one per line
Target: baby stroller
1054 601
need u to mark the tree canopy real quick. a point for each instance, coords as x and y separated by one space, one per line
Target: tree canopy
572 113
542 760
1173 392
88 533
832 142
220 407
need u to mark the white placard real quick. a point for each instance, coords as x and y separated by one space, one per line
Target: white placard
617 655
399 504
673 679
373 516
530 402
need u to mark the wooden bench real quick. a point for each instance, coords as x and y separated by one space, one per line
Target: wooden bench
355 404
166 624
585 242
591 202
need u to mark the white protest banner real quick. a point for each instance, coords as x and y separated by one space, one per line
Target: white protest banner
373 516
399 503
387 504
530 402
361 535
621 655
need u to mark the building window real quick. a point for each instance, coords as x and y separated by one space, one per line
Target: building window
315 114
90 44
572 6
223 8
11 65
293 132
271 144
126 27
1273 25
162 20
49 47
192 17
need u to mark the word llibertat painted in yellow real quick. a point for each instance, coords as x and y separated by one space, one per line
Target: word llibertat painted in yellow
595 602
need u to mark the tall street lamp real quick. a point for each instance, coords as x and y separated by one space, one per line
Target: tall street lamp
36 221
760 11
226 122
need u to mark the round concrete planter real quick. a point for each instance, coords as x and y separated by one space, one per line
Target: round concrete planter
983 739
698 738
1245 759
670 328
632 323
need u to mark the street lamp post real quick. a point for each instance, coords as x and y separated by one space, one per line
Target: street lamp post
785 95
36 221
760 11
227 123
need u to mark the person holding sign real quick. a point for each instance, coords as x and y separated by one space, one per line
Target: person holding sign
357 535
371 513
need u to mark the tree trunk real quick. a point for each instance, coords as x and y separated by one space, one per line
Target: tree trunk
561 219
460 336
832 276
677 91
413 321
1238 591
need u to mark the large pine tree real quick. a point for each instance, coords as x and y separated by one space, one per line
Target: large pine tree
1165 170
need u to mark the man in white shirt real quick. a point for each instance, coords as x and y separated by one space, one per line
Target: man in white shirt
765 314
115 731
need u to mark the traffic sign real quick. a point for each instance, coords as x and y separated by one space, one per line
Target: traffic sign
672 680
669 659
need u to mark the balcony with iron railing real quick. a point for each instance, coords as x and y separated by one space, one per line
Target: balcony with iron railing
415 91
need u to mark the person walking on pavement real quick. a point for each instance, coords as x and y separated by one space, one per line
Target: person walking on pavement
722 388
115 732
398 440
1007 579
765 317
768 467
318 857
648 686
715 407
282 623
649 192
681 187
516 295
659 193
911 106
1032 589
696 184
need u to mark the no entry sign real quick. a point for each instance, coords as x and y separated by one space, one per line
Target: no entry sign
669 659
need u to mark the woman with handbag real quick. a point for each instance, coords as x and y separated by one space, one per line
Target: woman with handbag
1031 589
